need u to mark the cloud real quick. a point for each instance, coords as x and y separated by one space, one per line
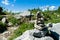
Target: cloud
6 2
45 8
52 7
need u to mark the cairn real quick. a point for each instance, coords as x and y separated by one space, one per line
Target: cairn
40 25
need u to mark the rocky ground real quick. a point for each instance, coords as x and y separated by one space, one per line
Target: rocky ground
27 35
6 34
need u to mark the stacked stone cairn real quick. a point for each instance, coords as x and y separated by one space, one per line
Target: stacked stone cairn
43 30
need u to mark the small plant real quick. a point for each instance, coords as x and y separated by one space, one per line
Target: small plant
13 20
2 27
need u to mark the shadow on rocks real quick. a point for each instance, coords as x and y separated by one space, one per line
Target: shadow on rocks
54 35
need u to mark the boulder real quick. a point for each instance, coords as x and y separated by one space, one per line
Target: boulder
56 31
56 28
3 20
28 35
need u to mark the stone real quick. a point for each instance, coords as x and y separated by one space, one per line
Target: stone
39 34
56 28
28 35
10 24
3 20
44 38
37 27
6 34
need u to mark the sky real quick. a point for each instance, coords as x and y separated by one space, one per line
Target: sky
23 5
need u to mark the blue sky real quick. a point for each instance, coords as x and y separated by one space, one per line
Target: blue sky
23 5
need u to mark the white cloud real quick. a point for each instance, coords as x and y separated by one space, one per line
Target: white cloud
52 7
6 2
45 8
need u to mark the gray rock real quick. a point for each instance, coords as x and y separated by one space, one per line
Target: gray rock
56 28
44 38
10 24
3 20
28 35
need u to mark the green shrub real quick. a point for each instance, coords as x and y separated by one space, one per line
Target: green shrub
13 20
23 27
1 17
2 27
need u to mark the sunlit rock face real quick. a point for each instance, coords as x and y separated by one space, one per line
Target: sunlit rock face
3 20
56 28
28 35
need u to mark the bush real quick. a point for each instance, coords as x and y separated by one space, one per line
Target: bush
23 27
1 17
13 20
2 27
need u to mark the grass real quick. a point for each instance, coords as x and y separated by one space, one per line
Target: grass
23 27
53 18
